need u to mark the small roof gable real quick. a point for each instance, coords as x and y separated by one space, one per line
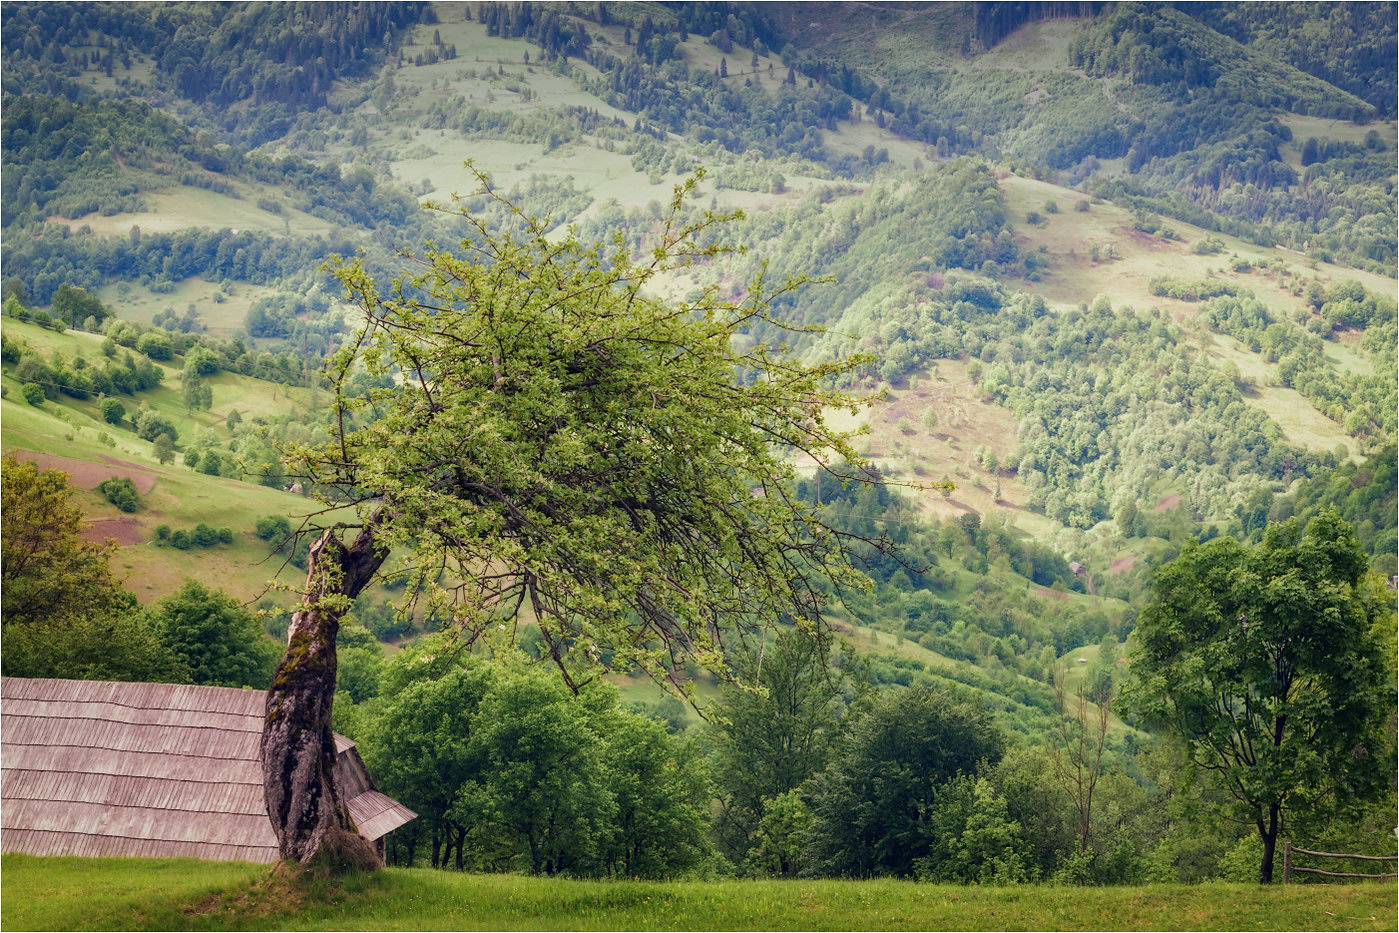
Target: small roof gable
97 768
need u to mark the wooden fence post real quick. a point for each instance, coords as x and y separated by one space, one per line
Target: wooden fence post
1286 863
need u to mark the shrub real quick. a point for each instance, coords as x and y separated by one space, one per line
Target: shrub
156 346
33 393
273 528
150 425
120 491
112 410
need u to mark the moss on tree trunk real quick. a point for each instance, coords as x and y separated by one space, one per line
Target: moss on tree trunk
298 749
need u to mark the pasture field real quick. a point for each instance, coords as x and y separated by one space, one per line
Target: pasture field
183 894
223 318
1066 238
183 206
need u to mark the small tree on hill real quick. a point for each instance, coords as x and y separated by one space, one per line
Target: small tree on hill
112 410
561 440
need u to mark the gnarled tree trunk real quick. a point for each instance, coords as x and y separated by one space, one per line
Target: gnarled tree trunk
298 750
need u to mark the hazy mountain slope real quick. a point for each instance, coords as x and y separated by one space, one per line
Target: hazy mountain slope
1349 45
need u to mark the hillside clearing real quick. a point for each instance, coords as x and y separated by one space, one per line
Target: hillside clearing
183 894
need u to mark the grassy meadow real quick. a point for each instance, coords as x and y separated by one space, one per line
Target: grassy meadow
183 894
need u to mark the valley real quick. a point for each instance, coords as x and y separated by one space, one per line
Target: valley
1090 287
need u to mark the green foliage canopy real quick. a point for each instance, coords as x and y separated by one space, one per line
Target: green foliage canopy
613 459
222 643
1266 661
871 803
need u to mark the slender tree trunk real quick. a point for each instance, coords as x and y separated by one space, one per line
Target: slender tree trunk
1270 844
298 751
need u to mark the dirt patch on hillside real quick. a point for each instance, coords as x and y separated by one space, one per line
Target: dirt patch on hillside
1149 242
1123 564
1050 594
124 530
88 475
1166 503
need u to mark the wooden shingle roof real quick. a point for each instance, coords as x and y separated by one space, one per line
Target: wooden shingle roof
96 768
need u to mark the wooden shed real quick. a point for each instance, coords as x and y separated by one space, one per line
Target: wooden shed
95 768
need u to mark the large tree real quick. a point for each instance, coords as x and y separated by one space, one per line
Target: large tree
561 446
49 572
65 614
872 802
1266 660
770 741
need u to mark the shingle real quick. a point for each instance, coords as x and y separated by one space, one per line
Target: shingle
95 768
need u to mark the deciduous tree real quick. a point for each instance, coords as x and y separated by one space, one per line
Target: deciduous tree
49 571
1266 661
222 643
561 440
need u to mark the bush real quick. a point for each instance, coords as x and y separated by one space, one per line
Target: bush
33 393
200 535
112 410
156 346
273 528
150 425
120 491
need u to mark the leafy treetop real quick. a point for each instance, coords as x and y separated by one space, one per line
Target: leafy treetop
564 444
1266 661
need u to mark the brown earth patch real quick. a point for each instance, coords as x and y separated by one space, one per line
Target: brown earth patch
1050 594
87 475
1123 564
1149 241
124 530
1166 503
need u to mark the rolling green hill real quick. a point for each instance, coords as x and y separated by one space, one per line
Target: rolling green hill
165 207
1124 275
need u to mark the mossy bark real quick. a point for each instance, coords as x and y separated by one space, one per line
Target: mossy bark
298 749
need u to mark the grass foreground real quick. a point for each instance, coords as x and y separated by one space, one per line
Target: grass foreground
184 894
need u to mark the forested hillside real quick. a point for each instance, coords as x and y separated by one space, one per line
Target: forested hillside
1104 293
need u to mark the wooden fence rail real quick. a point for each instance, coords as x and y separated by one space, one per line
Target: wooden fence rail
1288 868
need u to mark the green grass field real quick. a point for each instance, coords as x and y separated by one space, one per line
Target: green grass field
182 894
134 302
